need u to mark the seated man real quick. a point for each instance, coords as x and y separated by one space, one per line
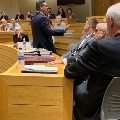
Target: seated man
50 14
29 15
4 25
90 28
101 62
59 24
12 26
19 16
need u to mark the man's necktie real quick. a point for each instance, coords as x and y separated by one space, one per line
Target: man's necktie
79 46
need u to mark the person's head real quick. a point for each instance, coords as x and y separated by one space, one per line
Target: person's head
12 20
60 10
3 21
69 11
113 19
42 6
49 10
3 13
17 30
28 13
58 19
19 13
90 25
101 32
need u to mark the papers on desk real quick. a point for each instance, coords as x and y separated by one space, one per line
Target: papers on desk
37 51
39 69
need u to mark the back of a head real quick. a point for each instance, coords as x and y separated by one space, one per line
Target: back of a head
102 26
93 22
114 13
39 3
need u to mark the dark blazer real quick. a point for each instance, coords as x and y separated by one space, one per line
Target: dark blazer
72 58
20 17
16 39
42 33
101 61
5 17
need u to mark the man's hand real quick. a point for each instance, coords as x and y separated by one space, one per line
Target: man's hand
56 62
66 27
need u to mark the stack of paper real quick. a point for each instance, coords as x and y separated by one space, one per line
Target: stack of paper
39 69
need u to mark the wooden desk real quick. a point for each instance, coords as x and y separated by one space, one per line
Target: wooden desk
32 96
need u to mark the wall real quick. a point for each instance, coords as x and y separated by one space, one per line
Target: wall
9 6
12 6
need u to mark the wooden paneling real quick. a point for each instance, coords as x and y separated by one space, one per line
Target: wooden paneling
38 95
35 112
100 7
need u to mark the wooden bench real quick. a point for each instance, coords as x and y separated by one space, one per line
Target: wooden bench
78 27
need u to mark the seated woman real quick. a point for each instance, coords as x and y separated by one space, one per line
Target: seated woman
19 35
70 13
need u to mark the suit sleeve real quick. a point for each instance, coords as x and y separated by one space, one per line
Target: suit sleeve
88 62
44 22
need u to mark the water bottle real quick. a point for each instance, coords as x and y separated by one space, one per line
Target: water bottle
24 44
20 58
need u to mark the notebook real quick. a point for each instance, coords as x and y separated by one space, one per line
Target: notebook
39 69
38 59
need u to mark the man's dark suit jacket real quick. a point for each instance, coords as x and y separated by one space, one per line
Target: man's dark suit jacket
16 39
5 17
101 61
20 17
72 58
42 33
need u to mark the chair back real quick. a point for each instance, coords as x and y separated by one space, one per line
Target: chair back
110 109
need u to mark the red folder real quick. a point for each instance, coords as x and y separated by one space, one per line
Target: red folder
38 59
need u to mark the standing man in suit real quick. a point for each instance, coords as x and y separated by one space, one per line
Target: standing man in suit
101 62
41 30
85 40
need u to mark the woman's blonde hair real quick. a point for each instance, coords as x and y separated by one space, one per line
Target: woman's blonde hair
16 29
